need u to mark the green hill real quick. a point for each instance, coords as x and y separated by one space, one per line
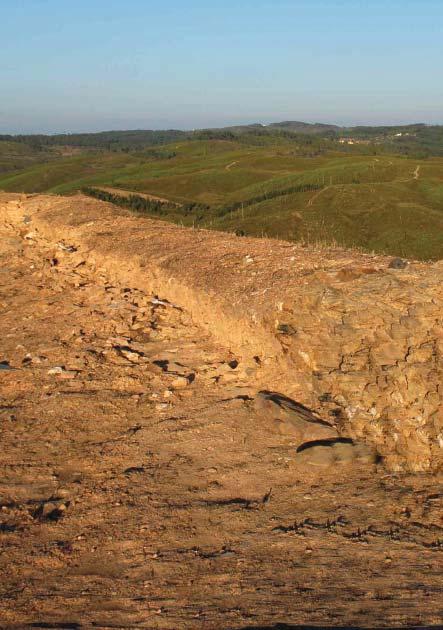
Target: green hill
295 187
16 156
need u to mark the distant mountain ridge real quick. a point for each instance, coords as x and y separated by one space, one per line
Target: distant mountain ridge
303 127
163 136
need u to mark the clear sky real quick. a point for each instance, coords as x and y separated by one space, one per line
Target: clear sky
86 65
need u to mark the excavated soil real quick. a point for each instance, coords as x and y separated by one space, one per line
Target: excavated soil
144 485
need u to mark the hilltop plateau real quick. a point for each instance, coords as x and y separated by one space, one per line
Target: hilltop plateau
204 430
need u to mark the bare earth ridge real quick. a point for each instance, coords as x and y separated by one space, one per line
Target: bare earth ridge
145 480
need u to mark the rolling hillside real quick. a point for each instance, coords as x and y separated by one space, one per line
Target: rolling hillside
15 156
356 196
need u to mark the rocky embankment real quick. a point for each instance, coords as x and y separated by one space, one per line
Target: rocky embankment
353 337
208 431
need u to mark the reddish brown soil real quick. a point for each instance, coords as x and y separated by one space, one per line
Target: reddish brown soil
140 488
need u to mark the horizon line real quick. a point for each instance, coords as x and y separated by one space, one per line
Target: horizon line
226 126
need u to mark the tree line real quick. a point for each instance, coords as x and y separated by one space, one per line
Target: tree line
144 205
195 210
270 194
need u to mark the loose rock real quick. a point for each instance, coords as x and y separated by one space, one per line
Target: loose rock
335 452
398 263
291 418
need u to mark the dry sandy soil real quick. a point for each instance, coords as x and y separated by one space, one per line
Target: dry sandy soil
144 484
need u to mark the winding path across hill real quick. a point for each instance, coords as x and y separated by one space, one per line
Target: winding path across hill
229 166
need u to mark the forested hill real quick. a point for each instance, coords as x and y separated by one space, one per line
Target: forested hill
402 139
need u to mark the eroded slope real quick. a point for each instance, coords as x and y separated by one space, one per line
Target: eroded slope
141 487
341 332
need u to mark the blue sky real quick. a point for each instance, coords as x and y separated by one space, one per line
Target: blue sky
90 65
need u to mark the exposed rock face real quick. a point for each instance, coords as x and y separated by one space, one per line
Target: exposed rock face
343 333
372 352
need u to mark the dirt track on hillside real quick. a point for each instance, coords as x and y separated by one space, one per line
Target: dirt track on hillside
127 193
140 486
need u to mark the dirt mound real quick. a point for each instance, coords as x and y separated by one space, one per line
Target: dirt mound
200 430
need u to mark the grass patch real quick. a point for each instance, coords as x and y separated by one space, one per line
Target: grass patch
352 198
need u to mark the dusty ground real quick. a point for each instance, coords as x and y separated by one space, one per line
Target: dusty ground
140 487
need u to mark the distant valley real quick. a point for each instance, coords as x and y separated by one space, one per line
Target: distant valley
372 188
